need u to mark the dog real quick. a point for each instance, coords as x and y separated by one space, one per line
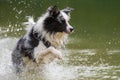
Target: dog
43 40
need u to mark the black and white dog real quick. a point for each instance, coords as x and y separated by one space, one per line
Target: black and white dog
44 39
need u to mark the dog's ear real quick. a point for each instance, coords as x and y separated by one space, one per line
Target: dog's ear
53 11
68 10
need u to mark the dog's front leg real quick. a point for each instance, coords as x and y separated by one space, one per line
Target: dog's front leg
48 55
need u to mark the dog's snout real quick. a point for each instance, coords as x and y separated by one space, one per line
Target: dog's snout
71 29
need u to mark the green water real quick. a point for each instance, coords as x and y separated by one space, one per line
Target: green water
95 43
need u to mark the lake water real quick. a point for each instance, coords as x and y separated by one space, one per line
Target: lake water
93 51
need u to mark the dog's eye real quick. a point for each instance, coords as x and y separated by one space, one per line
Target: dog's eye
62 19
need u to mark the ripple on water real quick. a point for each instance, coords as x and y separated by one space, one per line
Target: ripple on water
61 71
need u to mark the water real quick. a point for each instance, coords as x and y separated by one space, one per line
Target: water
93 51
84 64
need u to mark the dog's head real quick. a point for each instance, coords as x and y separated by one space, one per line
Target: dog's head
58 20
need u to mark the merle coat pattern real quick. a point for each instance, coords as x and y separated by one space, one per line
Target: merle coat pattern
51 30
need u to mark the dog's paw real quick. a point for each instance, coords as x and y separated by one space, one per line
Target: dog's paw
48 55
56 53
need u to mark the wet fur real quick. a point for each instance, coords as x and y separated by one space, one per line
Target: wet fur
44 39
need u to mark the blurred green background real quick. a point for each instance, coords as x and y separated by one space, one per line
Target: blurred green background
94 46
96 22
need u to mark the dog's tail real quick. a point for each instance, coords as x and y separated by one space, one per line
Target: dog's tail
30 23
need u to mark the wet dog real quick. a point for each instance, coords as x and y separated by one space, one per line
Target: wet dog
44 39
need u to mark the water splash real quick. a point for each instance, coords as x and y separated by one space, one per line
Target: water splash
51 72
63 71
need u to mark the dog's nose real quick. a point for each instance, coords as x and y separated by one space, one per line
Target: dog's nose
71 29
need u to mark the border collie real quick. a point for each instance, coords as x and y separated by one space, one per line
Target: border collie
44 39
